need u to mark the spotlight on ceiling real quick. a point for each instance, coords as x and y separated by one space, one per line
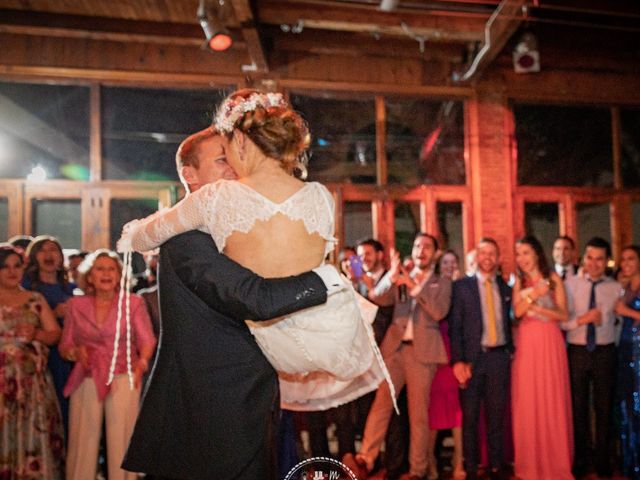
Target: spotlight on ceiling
526 57
218 37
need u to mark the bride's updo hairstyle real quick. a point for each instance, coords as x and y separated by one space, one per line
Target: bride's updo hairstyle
270 123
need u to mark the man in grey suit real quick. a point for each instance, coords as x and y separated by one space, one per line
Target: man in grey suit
412 349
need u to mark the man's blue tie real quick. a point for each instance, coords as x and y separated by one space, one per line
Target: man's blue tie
591 328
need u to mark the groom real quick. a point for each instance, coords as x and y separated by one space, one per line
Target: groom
210 409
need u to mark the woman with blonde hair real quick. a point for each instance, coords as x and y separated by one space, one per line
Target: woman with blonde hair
89 338
276 225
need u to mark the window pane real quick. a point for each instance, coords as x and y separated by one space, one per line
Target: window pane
560 145
593 221
141 129
122 211
542 220
60 218
358 222
630 146
343 137
46 126
407 224
450 226
635 221
425 141
4 219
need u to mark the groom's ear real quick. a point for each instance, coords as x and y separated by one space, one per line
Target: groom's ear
188 173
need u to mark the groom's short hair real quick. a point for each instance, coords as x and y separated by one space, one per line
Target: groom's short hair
187 154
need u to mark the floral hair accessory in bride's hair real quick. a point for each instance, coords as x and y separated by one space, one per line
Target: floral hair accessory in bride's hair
234 108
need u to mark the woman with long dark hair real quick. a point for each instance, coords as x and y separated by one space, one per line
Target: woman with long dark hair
45 273
540 388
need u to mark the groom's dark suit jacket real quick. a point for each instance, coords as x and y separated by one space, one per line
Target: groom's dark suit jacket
208 409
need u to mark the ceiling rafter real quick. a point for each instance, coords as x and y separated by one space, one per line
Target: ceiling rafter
244 15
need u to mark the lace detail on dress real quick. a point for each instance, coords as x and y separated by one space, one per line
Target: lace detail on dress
229 206
239 207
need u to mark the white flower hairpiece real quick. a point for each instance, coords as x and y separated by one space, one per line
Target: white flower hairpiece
234 108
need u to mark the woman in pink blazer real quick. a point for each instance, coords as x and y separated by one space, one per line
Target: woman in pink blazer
88 339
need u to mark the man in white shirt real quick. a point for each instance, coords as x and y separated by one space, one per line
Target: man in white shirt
564 253
592 355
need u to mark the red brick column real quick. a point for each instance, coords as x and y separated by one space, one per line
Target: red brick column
491 172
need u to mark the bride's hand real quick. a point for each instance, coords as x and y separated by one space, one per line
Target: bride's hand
125 242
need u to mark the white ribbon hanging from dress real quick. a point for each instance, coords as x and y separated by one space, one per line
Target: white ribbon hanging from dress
124 295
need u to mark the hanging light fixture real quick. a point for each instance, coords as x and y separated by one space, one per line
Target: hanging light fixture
218 37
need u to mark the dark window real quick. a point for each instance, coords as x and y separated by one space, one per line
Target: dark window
425 141
358 222
44 126
142 129
542 221
60 218
407 224
594 220
635 222
630 147
4 219
560 145
122 211
343 137
450 226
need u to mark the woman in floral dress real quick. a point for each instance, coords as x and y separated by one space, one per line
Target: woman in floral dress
31 436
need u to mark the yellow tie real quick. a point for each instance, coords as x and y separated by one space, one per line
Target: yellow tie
491 313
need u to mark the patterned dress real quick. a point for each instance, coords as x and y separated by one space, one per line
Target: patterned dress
31 435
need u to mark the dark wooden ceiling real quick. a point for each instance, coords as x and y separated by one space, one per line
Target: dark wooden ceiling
447 32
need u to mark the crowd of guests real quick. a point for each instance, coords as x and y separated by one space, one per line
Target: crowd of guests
518 372
537 376
57 339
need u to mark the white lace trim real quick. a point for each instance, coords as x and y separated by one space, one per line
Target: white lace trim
237 207
229 206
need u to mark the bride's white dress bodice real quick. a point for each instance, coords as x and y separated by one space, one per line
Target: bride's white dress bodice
229 206
326 354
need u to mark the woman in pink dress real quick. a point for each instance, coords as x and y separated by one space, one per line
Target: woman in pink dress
444 403
540 389
89 337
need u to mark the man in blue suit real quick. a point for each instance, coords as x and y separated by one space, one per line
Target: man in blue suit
481 349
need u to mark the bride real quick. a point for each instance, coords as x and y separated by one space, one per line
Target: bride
277 225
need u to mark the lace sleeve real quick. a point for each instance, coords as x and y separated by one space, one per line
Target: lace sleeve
189 214
328 226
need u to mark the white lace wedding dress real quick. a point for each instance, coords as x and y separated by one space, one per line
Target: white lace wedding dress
325 355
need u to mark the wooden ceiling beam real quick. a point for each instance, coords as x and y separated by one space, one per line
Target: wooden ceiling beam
500 27
322 42
244 15
358 18
101 28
